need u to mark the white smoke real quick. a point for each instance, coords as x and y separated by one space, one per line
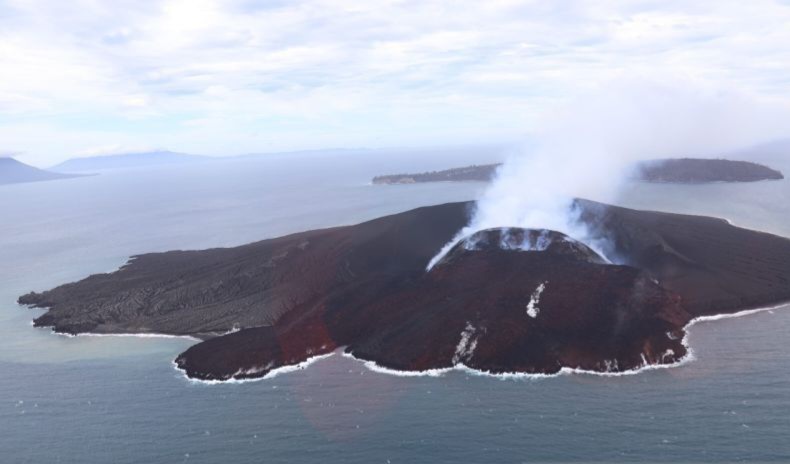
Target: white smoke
589 149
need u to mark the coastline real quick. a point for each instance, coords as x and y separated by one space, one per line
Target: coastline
142 299
269 375
128 335
460 367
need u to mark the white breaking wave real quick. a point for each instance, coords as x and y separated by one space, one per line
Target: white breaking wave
142 334
132 335
532 306
460 367
746 312
689 357
372 366
269 375
296 367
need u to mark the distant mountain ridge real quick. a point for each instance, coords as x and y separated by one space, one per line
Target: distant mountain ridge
17 172
91 164
126 160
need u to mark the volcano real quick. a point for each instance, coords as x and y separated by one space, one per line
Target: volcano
501 300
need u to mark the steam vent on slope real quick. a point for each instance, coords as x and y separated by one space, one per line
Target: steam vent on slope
500 301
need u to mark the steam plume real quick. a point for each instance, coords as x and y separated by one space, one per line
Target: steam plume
589 150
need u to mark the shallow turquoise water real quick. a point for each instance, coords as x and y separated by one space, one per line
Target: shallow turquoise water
97 400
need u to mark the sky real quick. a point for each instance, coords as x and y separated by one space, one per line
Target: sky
89 77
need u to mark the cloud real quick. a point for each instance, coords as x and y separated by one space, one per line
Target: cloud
206 75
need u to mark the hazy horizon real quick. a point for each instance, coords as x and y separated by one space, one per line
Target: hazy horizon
742 149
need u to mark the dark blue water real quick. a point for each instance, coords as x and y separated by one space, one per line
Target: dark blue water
110 399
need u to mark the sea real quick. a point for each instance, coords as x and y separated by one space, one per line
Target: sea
120 400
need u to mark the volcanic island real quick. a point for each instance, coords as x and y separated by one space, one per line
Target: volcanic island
505 300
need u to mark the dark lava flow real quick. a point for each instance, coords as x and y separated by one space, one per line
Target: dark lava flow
502 300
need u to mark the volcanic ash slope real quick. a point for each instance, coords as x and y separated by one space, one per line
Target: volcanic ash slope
502 300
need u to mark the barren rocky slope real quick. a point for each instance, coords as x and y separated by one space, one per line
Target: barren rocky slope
493 303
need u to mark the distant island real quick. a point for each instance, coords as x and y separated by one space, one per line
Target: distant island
16 172
501 301
126 161
481 173
680 171
697 171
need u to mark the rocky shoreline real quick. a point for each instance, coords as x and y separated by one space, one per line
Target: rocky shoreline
502 301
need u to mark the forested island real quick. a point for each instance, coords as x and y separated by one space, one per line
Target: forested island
680 171
698 171
481 173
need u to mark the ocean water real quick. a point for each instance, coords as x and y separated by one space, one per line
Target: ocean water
118 399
